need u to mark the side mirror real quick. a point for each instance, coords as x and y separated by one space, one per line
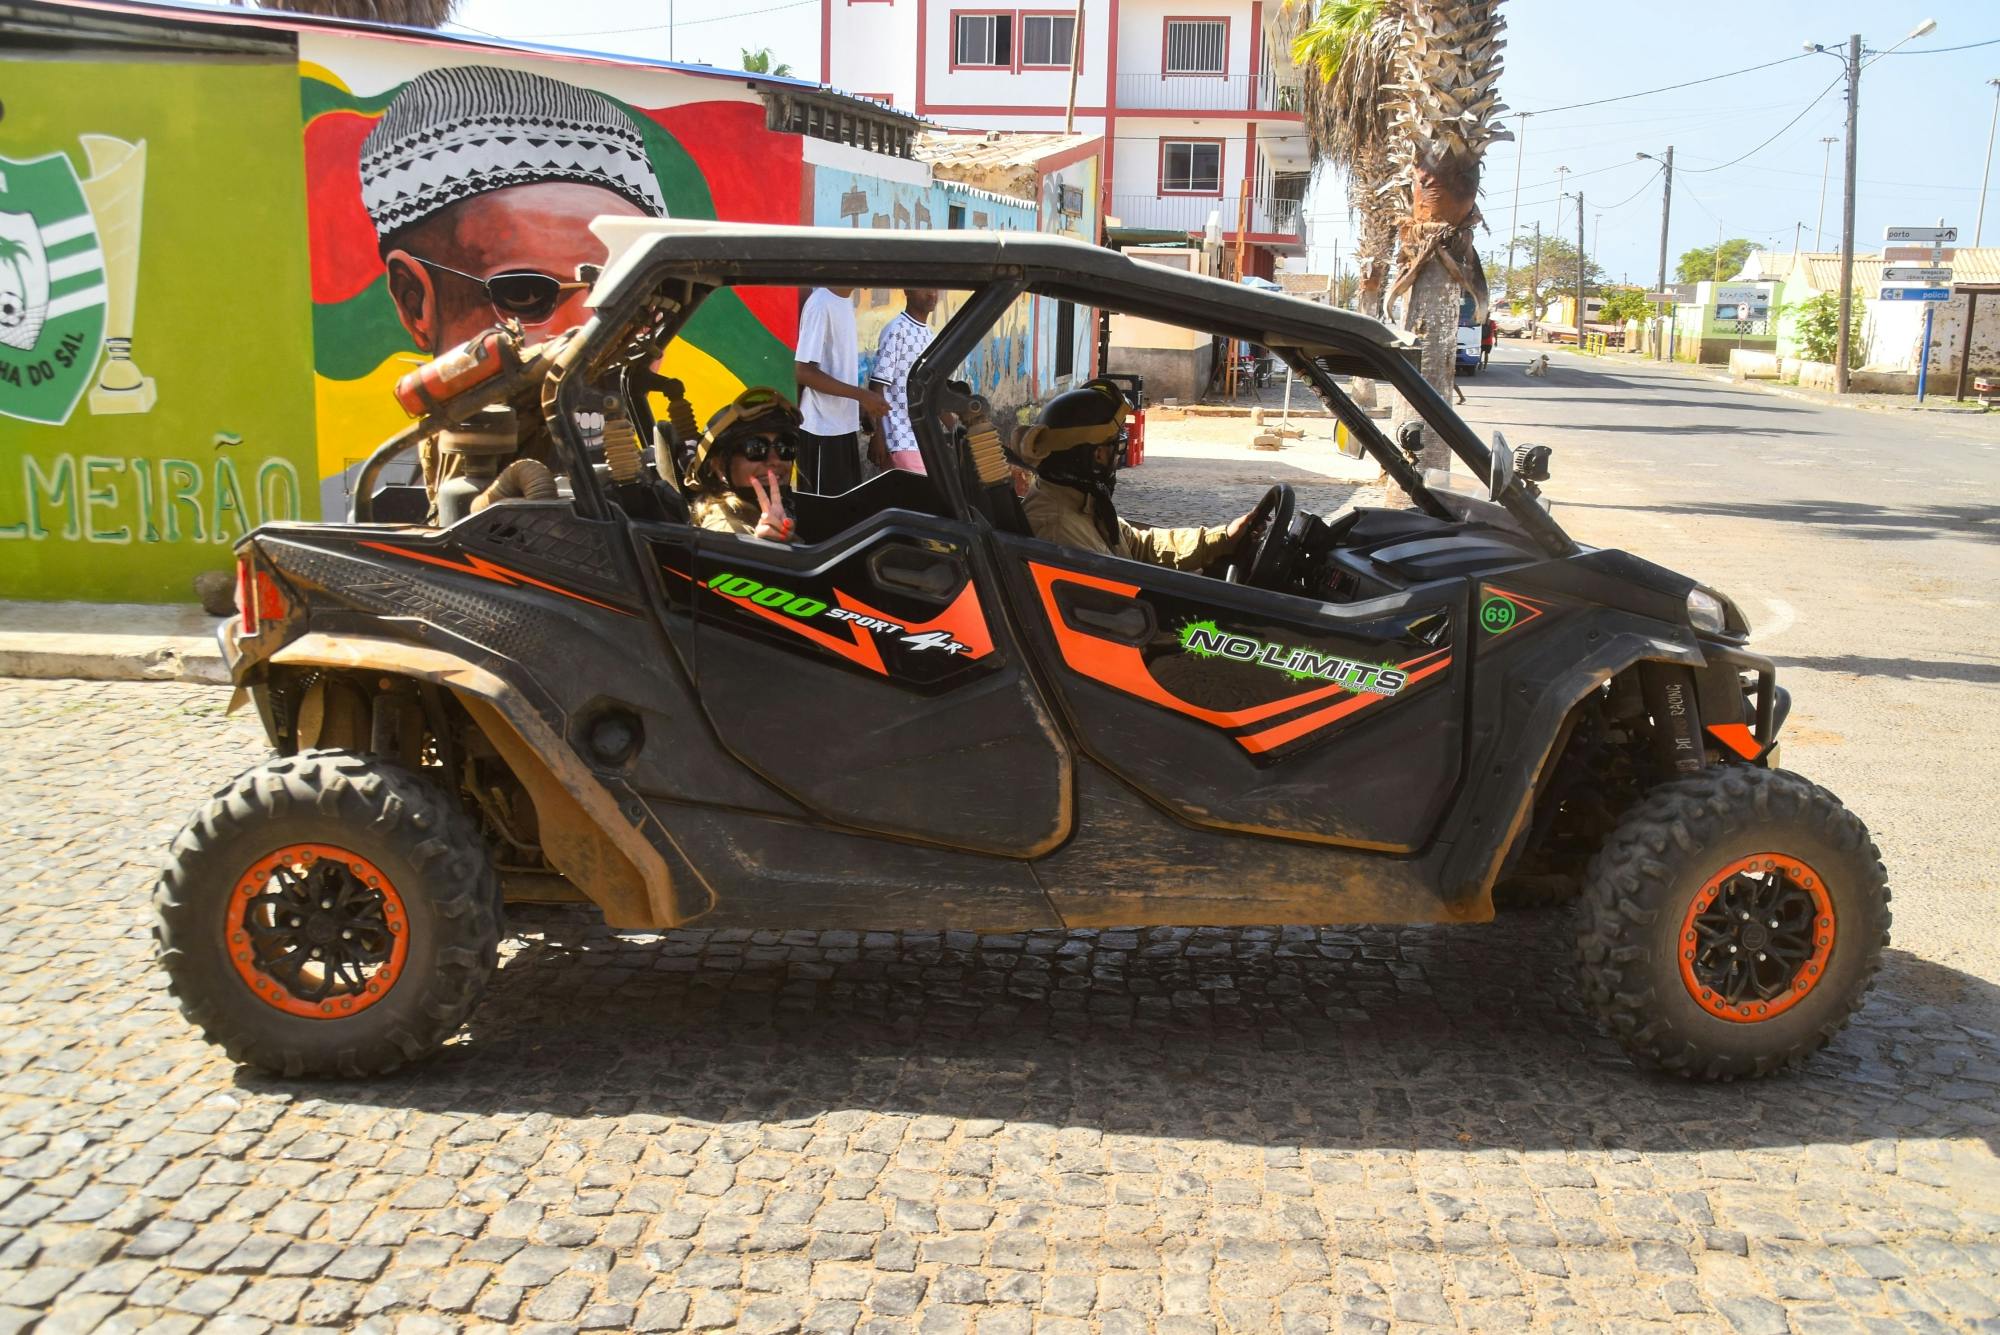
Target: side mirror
1345 442
1502 475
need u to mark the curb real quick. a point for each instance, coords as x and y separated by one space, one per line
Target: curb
111 658
109 642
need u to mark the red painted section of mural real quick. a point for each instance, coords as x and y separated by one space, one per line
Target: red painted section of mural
745 166
344 255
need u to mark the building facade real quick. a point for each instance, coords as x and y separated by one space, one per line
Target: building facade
1197 101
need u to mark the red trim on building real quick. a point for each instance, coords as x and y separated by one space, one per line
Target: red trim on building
1160 190
1169 19
826 42
1256 47
1069 157
923 52
999 109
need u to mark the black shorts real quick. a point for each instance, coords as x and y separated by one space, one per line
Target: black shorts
829 465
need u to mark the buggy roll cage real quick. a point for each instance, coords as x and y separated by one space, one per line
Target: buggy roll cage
673 265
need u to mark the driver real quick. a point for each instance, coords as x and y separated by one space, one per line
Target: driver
737 480
1075 448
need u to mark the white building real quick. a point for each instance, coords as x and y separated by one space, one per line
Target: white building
1197 100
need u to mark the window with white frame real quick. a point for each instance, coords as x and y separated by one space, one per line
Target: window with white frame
1047 40
1190 167
983 40
1197 46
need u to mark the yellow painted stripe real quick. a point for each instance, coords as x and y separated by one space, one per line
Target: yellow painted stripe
313 70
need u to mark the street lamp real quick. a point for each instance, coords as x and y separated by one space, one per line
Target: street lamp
1843 348
1986 172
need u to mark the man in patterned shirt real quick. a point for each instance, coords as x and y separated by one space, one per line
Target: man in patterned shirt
902 342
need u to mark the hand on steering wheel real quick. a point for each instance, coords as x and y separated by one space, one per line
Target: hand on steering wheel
1266 550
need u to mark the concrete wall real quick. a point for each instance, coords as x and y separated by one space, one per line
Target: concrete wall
1171 373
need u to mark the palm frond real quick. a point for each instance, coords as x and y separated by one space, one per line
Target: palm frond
408 13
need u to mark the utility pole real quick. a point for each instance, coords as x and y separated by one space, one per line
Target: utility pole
1825 165
1535 284
1985 173
1075 48
1579 271
1666 212
1514 218
1844 347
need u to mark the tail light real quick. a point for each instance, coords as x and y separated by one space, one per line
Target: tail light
258 597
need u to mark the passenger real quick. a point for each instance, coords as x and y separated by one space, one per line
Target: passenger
1075 448
739 472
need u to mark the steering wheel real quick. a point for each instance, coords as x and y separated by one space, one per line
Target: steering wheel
1268 550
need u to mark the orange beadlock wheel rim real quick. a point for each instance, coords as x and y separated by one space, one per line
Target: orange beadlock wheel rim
1756 938
317 931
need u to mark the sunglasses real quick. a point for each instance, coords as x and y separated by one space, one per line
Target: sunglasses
759 448
521 294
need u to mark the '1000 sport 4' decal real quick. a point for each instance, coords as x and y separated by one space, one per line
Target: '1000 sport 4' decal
960 630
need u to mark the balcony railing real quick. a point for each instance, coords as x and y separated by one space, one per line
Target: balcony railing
1189 213
1204 92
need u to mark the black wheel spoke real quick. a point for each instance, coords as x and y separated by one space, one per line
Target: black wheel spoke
1754 937
323 915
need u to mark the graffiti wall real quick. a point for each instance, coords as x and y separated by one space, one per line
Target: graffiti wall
1003 368
442 196
156 396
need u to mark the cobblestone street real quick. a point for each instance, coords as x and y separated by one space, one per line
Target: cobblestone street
1180 1130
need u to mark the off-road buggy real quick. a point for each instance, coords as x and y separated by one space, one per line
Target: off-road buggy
917 715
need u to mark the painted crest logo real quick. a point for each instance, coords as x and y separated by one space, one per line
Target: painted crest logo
69 269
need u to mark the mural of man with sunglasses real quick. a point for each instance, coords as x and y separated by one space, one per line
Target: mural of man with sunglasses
482 183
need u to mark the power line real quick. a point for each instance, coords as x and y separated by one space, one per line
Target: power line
1691 83
1636 193
1695 171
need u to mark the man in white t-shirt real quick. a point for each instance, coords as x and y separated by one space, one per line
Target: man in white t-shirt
901 344
831 397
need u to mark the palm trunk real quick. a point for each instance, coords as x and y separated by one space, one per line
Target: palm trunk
1440 267
1375 247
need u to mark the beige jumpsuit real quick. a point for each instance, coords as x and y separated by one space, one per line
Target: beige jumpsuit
1062 515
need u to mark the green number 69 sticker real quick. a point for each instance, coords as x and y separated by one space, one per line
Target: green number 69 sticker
1497 614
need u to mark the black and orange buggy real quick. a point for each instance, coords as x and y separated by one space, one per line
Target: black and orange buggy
544 685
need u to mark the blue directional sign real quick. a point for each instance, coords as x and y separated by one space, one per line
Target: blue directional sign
1916 294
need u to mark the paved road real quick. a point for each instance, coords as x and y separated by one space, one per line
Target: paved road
1280 1128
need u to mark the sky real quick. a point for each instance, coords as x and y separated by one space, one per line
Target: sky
1924 111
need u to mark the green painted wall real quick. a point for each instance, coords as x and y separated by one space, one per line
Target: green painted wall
163 462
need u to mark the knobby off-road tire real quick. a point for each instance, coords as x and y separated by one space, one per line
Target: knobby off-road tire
1647 922
329 842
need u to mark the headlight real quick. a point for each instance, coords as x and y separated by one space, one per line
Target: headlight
1705 612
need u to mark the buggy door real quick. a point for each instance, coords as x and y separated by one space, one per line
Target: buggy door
874 679
1242 709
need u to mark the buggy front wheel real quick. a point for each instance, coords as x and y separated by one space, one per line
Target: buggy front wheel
1732 923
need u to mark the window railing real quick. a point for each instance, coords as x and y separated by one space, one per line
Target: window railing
1190 213
1204 92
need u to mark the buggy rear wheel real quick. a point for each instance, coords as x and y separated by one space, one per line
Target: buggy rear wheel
328 914
1732 923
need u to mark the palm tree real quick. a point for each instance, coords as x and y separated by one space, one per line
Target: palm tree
759 62
1448 112
1350 115
409 13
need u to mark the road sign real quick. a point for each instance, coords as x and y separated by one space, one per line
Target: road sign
1915 273
1920 236
1916 294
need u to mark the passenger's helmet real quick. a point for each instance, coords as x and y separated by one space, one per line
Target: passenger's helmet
760 413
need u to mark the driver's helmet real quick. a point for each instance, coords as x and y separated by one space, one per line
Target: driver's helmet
1093 414
756 420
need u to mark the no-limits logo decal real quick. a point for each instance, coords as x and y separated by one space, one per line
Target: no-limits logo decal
1205 639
